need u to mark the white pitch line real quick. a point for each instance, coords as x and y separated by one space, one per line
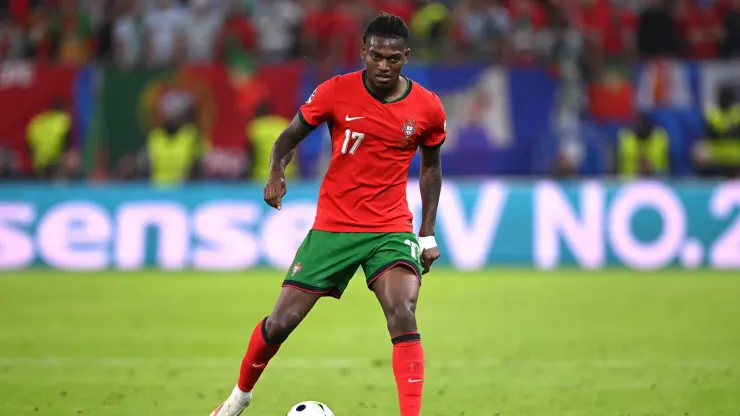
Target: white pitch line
327 362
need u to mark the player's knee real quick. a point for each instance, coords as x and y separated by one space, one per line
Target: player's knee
279 327
402 317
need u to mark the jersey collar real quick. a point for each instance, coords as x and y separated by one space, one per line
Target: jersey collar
369 91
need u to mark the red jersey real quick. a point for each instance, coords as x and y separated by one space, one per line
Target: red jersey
373 142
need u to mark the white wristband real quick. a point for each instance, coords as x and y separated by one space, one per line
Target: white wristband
427 242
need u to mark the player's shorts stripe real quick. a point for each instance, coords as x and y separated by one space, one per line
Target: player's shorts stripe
305 122
435 146
389 266
310 289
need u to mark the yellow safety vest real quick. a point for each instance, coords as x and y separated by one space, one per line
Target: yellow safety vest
632 149
171 157
262 132
426 17
47 133
725 150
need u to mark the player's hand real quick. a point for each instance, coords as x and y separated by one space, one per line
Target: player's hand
429 253
275 189
427 258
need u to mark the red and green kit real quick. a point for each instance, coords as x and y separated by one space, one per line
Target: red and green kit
363 219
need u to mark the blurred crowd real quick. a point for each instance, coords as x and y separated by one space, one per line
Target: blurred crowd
168 32
575 39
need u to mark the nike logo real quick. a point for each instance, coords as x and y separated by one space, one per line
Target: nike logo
348 118
411 380
255 365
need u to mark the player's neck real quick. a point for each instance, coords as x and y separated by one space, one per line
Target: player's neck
393 93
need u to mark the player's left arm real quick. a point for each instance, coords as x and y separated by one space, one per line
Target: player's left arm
430 184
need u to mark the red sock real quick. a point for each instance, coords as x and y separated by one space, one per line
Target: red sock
408 368
255 360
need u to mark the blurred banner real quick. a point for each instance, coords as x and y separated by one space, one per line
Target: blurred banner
220 100
501 121
641 225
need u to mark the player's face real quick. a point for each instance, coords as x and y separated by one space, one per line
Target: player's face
384 59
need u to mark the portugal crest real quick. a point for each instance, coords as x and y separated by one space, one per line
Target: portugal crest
408 128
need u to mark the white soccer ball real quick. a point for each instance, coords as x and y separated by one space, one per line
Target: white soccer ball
310 409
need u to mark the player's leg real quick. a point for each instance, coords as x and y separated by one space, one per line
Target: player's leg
291 307
312 275
393 274
397 291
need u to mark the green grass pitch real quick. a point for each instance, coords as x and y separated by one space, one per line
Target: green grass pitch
498 342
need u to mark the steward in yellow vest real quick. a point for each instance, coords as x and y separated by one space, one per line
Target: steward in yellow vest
174 153
719 152
262 133
643 150
48 135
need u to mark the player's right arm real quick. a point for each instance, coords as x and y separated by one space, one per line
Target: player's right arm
311 114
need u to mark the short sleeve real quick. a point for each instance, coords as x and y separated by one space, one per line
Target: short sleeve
318 108
437 131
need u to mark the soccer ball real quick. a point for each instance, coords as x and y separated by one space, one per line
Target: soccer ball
310 409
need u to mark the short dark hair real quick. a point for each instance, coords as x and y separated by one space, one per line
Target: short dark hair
387 25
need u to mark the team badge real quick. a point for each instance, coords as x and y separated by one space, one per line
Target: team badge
297 268
408 128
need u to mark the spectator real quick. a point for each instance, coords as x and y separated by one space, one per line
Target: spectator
657 35
19 10
701 29
731 22
38 40
330 32
165 25
11 39
72 34
354 16
562 49
203 26
527 18
129 33
484 27
237 33
643 149
610 28
401 8
719 152
278 23
104 34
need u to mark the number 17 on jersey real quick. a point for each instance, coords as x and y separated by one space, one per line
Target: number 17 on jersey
352 140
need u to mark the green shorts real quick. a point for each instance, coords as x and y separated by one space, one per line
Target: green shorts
327 261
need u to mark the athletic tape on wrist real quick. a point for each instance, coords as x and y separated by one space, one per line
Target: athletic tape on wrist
427 242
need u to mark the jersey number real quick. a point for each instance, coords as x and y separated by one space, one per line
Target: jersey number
352 140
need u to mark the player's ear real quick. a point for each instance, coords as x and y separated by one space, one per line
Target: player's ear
363 51
406 55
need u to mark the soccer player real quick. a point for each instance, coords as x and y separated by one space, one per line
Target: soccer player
377 118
